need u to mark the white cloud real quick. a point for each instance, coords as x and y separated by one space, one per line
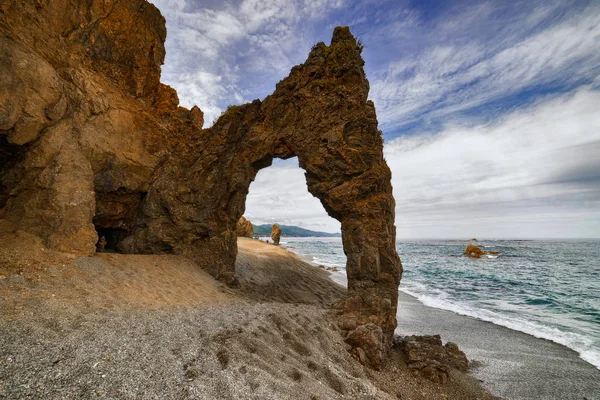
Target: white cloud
457 75
530 172
237 45
534 165
279 195
534 173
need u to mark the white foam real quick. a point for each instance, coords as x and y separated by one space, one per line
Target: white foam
583 345
320 261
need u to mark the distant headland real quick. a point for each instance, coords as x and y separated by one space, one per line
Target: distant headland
291 230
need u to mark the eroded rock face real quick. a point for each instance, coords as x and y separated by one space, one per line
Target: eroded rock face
244 228
91 143
475 252
275 233
426 356
84 120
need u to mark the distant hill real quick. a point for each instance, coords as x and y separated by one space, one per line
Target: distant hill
290 230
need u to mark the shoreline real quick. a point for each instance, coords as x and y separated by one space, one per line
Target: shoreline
509 363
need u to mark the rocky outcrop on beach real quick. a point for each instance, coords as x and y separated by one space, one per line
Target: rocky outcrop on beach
244 228
475 252
275 233
427 357
93 145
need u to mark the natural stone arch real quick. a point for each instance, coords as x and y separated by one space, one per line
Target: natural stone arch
90 140
319 113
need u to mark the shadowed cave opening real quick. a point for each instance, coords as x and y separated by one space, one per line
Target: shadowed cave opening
112 238
114 216
10 154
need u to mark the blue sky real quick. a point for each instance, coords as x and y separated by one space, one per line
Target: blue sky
489 108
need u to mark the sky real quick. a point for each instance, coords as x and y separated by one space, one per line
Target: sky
490 110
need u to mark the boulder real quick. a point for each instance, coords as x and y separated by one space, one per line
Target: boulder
427 357
475 252
368 345
275 233
244 228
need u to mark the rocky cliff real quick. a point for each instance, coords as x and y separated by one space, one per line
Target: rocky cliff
244 228
84 120
91 143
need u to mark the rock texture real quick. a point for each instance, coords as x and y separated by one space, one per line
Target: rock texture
426 356
244 228
475 252
93 145
275 233
84 120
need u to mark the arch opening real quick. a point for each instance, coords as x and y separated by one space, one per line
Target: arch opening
279 195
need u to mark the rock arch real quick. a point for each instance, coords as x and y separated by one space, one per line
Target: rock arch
103 145
319 113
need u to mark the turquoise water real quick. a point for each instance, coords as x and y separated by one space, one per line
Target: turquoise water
548 289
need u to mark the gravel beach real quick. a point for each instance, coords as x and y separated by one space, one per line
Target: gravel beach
150 327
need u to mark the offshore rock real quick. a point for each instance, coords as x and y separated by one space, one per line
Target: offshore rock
244 228
475 252
275 233
93 145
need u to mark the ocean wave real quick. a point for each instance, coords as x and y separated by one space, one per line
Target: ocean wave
320 261
583 345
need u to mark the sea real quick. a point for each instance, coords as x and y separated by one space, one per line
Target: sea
546 288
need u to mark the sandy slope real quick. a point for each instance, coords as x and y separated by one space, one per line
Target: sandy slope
135 326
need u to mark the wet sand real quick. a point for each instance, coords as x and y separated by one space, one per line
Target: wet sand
511 364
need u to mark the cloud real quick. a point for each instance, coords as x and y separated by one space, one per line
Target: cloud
534 168
454 75
230 53
533 173
488 108
279 195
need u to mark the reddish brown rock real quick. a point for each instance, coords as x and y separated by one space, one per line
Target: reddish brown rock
244 228
426 356
475 252
92 144
368 345
79 137
275 233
